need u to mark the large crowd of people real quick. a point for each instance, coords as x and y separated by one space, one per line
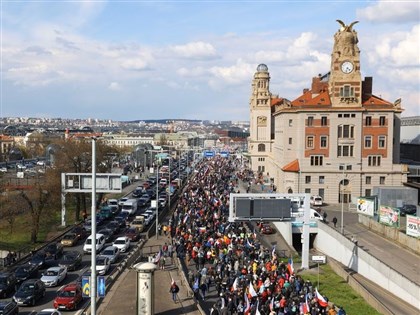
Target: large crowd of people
228 257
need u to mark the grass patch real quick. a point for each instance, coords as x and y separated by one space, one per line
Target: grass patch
338 291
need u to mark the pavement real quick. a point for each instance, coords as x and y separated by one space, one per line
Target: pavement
121 298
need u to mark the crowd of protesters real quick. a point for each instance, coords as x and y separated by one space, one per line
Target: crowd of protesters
228 257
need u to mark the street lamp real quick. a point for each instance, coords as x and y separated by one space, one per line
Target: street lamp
343 180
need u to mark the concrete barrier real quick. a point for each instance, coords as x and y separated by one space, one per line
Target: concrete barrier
391 233
335 245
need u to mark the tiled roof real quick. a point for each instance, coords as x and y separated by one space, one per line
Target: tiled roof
375 100
291 167
276 101
308 98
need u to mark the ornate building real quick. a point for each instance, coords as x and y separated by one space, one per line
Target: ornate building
337 140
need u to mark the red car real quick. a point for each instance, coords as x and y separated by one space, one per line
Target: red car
266 228
68 297
133 234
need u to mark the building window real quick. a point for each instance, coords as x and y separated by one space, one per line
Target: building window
261 159
368 141
346 131
368 180
368 192
261 147
317 160
261 169
307 179
310 121
345 150
307 190
321 179
382 142
324 141
382 180
374 160
321 192
290 141
368 121
290 122
347 167
381 120
310 142
323 120
346 91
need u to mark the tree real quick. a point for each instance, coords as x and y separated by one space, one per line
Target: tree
10 208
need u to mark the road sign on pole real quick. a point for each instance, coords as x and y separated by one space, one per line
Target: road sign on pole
86 287
101 286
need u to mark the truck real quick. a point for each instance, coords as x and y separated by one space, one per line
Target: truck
130 206
138 223
106 212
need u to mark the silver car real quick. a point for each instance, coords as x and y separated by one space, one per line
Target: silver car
112 252
53 276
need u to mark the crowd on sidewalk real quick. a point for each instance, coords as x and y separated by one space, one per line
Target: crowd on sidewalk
228 257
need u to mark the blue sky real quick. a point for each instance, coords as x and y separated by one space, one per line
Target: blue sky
125 60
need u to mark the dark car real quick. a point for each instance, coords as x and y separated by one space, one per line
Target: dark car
408 209
114 226
25 272
80 232
137 192
107 233
38 259
71 260
29 292
54 249
121 219
9 308
7 284
133 234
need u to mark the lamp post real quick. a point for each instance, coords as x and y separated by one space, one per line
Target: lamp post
342 198
93 235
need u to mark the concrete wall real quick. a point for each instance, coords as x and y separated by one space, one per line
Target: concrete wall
285 228
333 244
391 233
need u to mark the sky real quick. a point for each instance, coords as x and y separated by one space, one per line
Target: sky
135 60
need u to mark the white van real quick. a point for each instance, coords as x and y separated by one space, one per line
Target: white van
316 201
100 243
314 215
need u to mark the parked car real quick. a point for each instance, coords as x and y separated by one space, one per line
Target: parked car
123 243
107 233
49 311
113 204
9 308
68 297
8 284
102 264
266 228
38 259
80 232
71 260
25 272
54 249
70 239
408 209
114 226
112 252
53 276
121 201
3 169
29 292
133 234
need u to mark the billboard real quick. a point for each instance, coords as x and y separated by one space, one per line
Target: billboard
413 226
389 216
366 206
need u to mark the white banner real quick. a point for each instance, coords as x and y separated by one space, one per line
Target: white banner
365 206
413 226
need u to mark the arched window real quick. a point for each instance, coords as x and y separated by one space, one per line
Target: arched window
261 147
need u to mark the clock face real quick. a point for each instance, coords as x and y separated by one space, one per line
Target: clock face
347 67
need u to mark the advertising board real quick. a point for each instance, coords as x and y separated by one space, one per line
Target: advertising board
389 216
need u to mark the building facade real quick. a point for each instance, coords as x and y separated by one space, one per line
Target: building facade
337 139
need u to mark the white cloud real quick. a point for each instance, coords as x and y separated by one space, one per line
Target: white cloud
391 12
195 50
135 64
241 72
192 72
114 86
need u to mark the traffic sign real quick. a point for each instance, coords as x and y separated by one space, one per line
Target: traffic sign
86 286
208 153
101 286
320 259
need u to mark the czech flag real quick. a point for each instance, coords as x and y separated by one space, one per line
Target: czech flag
257 311
273 253
251 290
272 304
321 301
157 257
290 266
235 285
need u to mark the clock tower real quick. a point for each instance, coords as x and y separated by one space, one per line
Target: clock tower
345 82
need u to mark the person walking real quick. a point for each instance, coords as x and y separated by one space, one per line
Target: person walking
174 289
334 220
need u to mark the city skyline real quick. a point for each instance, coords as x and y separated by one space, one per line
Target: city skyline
136 60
